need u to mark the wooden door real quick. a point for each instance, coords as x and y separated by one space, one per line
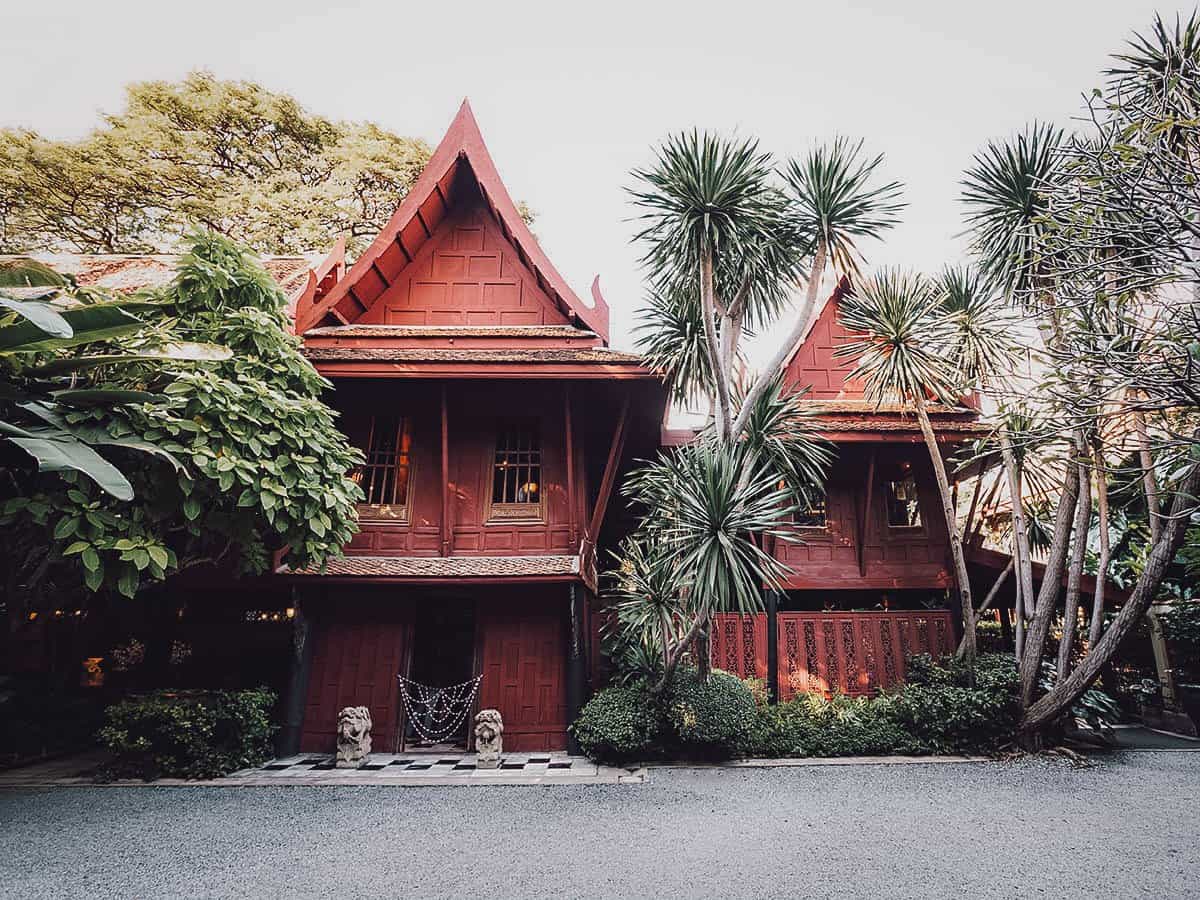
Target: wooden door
523 658
355 663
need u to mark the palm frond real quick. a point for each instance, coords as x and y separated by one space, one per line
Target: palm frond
983 344
705 191
1005 193
670 335
780 432
903 336
835 200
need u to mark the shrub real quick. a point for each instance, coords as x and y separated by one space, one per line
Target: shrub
38 720
713 716
188 735
935 712
941 712
619 723
810 725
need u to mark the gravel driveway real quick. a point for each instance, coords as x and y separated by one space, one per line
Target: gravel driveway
1127 827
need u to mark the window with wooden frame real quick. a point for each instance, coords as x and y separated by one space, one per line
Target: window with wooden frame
903 504
517 473
814 512
385 476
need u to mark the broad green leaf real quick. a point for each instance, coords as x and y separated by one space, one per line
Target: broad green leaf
182 351
93 578
102 397
45 316
95 322
71 454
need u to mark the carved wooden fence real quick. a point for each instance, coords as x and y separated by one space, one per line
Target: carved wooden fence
855 653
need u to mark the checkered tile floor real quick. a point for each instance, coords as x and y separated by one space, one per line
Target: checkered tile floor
393 764
435 768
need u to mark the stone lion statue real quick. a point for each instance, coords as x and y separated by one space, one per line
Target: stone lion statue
353 737
489 738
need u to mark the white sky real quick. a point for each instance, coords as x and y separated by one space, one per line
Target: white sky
570 99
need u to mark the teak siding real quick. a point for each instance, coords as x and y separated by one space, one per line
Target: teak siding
815 366
522 649
475 413
468 273
892 557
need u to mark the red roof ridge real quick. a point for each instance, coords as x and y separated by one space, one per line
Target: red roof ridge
464 139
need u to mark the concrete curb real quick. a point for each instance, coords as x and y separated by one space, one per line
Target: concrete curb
799 762
237 780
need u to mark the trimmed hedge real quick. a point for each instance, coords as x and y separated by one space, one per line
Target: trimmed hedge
711 717
619 724
188 734
937 711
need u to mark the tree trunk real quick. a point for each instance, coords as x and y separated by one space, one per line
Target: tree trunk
708 309
1019 623
771 369
1022 555
992 594
966 650
1083 521
1097 623
1158 642
1057 701
1047 598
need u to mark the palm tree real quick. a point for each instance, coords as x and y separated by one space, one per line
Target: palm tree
726 240
904 352
1005 192
699 550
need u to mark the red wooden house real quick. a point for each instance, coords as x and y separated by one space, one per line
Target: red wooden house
871 579
495 422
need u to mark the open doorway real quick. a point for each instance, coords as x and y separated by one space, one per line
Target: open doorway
442 660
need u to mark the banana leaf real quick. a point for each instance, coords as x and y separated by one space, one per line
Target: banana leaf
97 322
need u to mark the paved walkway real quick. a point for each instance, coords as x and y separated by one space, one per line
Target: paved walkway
411 769
1125 827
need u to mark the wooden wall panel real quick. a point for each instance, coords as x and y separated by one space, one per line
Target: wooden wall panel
523 658
814 365
895 557
856 653
476 412
468 273
355 663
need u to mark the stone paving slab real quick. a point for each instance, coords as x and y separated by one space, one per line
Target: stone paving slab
411 769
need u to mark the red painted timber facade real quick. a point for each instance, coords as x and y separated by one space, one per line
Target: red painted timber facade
496 423
459 357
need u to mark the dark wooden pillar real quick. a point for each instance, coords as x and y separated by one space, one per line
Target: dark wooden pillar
299 670
447 532
576 660
772 602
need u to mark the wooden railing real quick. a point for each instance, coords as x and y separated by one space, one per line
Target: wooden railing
855 653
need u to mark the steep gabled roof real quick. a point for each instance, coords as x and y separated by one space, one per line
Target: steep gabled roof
460 159
839 291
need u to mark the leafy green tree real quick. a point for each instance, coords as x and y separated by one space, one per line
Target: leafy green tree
251 461
1096 237
229 155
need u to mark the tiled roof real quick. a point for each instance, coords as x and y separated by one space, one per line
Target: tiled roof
863 407
472 355
128 272
402 331
445 566
882 423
